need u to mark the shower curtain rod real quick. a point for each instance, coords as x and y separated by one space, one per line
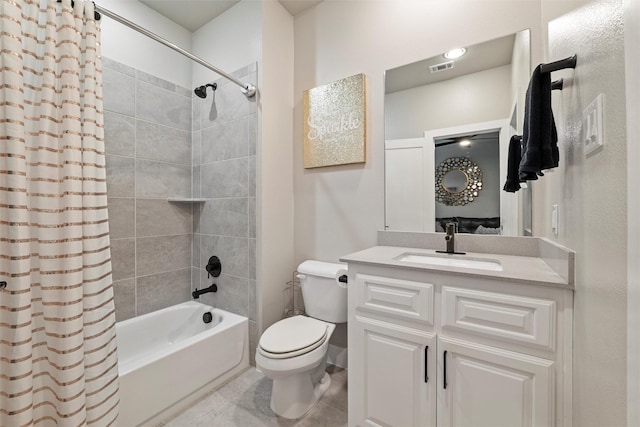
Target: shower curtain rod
247 89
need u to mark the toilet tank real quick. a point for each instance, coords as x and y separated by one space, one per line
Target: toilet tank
324 296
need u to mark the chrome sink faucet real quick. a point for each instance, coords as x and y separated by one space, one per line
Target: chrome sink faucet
450 238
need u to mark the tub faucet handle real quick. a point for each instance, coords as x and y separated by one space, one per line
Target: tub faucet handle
213 267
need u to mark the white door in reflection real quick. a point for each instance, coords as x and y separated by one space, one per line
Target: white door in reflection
409 185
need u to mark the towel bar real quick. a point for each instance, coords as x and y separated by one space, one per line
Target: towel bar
569 62
557 84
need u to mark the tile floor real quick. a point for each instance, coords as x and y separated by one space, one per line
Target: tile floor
244 402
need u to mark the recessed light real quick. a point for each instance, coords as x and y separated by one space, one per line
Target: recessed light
465 142
455 53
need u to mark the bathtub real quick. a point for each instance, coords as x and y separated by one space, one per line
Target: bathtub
171 357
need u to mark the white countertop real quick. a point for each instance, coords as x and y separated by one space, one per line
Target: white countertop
519 269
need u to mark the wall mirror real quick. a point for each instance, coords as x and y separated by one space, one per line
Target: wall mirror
464 107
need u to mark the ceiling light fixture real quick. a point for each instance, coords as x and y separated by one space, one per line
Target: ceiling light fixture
455 53
465 142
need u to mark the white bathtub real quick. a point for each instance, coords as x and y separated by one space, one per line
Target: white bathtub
170 356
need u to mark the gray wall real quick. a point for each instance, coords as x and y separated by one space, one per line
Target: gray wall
224 174
162 141
148 145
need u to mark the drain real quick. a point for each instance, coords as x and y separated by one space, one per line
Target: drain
207 317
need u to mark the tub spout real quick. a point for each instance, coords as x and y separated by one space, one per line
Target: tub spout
196 294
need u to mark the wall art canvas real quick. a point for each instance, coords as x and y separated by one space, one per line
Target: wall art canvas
335 123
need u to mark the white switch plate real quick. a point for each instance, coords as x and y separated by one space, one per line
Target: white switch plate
592 126
554 220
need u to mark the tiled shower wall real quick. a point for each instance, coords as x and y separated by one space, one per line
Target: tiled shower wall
148 145
224 174
162 141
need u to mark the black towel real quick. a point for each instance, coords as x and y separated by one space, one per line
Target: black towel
540 140
513 162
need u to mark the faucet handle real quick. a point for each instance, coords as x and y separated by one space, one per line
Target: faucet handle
213 267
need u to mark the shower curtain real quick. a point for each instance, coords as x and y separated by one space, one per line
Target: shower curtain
58 362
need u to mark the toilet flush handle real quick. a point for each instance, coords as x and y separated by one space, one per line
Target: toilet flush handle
342 280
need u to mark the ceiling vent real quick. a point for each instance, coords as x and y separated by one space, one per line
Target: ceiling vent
441 67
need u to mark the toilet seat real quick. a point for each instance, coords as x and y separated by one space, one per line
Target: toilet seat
292 337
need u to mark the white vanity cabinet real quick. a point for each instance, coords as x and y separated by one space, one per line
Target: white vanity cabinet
395 362
437 348
391 374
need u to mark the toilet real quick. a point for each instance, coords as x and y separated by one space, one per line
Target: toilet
293 351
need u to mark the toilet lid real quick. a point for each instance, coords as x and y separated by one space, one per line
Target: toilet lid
293 334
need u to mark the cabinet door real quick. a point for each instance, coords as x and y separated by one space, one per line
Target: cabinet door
392 378
482 386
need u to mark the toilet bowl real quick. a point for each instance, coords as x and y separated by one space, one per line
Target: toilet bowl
293 351
298 371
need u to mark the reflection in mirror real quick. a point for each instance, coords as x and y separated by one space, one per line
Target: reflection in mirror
455 181
442 108
458 183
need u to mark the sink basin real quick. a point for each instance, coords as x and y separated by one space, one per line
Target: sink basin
451 261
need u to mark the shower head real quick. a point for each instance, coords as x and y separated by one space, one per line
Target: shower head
202 90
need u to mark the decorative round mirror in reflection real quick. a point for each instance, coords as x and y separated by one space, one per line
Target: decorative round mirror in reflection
458 181
455 181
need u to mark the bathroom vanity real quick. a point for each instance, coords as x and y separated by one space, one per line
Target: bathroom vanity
483 338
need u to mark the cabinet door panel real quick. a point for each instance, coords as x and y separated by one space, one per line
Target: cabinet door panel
486 386
389 374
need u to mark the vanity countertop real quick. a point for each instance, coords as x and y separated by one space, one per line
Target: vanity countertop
518 269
